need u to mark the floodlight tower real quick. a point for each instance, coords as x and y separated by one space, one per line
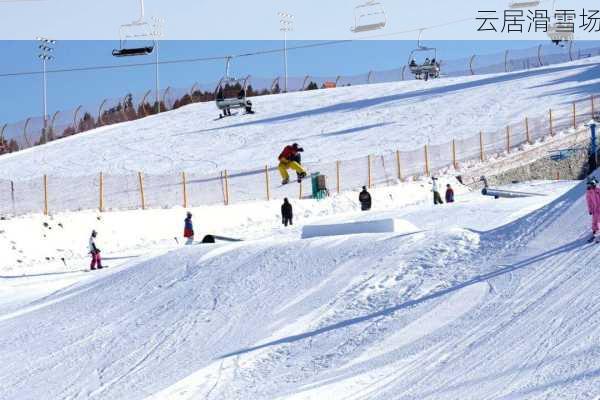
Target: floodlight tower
46 47
287 25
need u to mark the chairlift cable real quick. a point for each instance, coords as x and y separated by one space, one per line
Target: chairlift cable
217 58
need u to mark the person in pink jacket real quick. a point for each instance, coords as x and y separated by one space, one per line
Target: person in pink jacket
593 203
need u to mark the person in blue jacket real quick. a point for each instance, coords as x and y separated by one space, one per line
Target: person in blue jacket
188 230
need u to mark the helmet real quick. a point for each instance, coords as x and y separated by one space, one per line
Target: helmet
189 214
295 145
94 233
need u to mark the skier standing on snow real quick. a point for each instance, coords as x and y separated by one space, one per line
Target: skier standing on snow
286 161
593 203
188 230
287 213
95 253
437 199
365 199
449 194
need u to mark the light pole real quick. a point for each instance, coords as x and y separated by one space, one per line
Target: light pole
45 49
287 25
157 33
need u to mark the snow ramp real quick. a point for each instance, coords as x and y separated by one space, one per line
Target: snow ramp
452 313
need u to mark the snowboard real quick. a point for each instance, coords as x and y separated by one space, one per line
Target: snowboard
94 270
223 116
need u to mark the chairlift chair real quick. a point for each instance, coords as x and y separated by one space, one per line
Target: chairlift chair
368 17
524 4
424 70
139 31
231 93
557 36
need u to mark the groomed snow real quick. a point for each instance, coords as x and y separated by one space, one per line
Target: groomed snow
489 299
483 299
339 124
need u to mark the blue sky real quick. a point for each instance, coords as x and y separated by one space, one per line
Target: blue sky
250 20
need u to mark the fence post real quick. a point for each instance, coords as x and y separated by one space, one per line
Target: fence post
369 170
101 205
481 147
267 183
46 195
527 130
185 193
226 188
454 163
222 177
142 197
399 165
551 124
337 172
427 160
574 116
12 197
508 138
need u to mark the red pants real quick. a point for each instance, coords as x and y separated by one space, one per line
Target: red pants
596 222
96 260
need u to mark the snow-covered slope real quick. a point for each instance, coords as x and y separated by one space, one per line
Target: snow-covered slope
473 306
343 123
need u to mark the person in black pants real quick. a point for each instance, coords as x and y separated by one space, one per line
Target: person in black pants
365 199
298 159
287 213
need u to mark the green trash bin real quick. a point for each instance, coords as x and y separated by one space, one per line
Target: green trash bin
319 186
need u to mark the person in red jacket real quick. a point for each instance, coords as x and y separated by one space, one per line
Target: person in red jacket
286 161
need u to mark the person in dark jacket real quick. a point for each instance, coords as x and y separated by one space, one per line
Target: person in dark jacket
437 199
365 199
449 194
188 230
287 213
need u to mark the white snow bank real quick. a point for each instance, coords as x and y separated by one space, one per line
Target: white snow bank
357 227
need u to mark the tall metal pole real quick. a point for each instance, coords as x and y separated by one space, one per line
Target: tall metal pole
45 48
285 59
157 78
44 132
287 25
156 34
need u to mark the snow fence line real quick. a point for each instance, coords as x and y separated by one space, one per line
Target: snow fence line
140 191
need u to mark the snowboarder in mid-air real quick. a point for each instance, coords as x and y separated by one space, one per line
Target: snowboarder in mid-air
286 161
593 203
95 252
365 199
188 229
287 213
